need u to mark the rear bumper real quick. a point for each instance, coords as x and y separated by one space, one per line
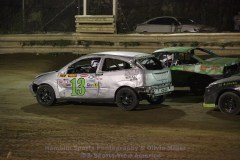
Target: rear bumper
154 91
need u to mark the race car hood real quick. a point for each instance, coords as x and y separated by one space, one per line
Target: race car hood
230 79
45 74
222 61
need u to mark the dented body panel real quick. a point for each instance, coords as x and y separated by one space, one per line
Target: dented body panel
189 62
113 71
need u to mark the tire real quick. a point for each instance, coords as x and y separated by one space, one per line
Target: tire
156 100
127 99
229 103
45 95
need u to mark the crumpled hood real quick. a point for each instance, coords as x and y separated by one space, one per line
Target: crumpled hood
222 61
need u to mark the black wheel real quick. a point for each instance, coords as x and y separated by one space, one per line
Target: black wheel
229 103
45 95
198 84
156 100
127 99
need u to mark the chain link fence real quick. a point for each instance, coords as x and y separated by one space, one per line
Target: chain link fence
32 16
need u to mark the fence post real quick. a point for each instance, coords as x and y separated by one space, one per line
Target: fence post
115 13
23 16
84 7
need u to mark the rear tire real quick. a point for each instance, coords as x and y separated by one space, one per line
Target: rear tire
45 95
229 103
127 99
156 100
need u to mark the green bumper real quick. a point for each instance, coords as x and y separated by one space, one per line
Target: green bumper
209 105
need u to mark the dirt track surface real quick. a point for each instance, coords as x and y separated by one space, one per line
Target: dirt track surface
178 129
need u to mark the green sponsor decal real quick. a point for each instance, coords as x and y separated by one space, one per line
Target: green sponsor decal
78 87
202 69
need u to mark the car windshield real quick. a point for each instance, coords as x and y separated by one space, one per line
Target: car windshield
204 54
185 21
151 63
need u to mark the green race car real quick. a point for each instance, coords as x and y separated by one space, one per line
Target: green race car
196 67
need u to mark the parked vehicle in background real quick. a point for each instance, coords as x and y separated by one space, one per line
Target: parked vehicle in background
196 67
168 24
224 94
121 77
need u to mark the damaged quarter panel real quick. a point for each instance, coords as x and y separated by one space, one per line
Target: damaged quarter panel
191 64
112 78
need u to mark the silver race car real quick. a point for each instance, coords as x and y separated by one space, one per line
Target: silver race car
121 77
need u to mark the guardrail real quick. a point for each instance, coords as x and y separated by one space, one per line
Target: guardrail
222 43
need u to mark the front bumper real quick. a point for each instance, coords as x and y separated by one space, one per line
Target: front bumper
31 88
210 98
209 105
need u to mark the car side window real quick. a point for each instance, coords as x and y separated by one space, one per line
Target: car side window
151 63
115 64
88 65
168 59
175 22
186 58
169 21
159 21
162 21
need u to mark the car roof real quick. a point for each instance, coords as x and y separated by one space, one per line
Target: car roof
159 17
175 49
122 54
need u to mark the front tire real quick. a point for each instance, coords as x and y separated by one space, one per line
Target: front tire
127 99
156 100
229 103
45 95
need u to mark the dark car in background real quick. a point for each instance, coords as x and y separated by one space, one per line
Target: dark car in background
196 67
168 24
224 94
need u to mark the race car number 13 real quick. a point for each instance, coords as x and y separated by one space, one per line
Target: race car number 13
78 87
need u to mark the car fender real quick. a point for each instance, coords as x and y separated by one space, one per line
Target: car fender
49 79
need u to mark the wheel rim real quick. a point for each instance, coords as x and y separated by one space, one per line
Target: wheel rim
229 104
126 99
45 95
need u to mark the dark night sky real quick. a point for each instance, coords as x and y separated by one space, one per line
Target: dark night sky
217 13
